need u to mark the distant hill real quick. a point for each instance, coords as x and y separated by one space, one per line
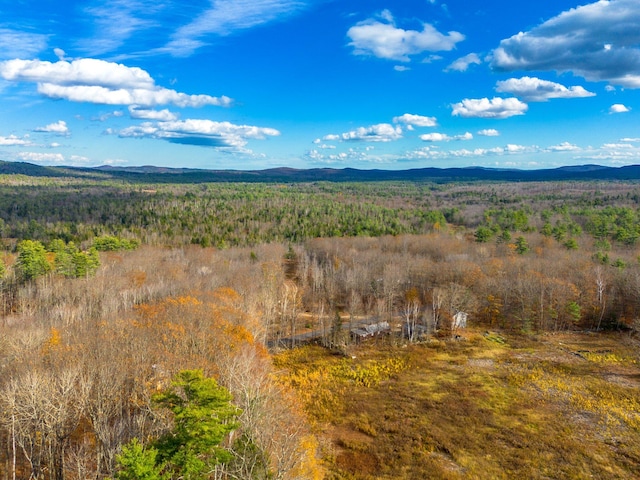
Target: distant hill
151 174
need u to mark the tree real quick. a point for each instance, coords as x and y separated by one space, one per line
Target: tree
483 234
139 463
32 259
202 418
411 313
522 246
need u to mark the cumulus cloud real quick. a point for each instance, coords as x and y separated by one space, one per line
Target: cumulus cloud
97 81
437 154
443 137
533 89
352 155
39 157
204 133
224 17
416 120
17 44
12 141
59 128
618 108
462 64
85 71
489 132
484 108
383 39
564 147
164 115
382 132
613 153
598 41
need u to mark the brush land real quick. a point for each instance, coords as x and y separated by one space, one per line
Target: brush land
133 310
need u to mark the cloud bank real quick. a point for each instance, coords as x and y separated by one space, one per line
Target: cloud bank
97 81
599 41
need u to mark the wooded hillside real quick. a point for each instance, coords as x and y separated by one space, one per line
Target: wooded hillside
119 299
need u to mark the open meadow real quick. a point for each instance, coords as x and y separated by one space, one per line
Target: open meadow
484 406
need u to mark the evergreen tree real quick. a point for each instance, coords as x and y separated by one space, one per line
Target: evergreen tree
32 260
203 416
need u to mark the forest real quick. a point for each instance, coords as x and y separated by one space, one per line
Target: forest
159 330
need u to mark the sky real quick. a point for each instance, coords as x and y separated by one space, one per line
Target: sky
369 84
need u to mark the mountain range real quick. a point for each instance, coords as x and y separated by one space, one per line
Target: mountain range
151 174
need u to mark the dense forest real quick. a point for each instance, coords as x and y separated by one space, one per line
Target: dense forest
159 330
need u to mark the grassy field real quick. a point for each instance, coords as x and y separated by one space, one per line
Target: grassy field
485 406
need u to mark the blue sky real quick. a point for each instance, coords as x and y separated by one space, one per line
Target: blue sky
252 84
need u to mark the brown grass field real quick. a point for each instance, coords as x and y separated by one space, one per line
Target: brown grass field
485 406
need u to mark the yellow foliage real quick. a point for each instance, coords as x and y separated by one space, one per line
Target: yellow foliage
183 301
309 467
54 341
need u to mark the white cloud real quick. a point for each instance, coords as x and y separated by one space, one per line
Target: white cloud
438 154
632 140
164 115
613 153
352 155
204 133
385 40
12 141
142 97
41 157
484 108
489 132
511 148
17 44
618 108
598 41
382 132
79 159
533 89
225 17
442 137
462 64
564 147
85 71
59 128
97 81
106 116
114 23
620 146
416 120
61 54
431 58
401 68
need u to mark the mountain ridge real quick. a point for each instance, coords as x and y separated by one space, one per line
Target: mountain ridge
153 174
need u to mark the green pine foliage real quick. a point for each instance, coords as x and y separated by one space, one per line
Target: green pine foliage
203 416
32 260
110 243
138 463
